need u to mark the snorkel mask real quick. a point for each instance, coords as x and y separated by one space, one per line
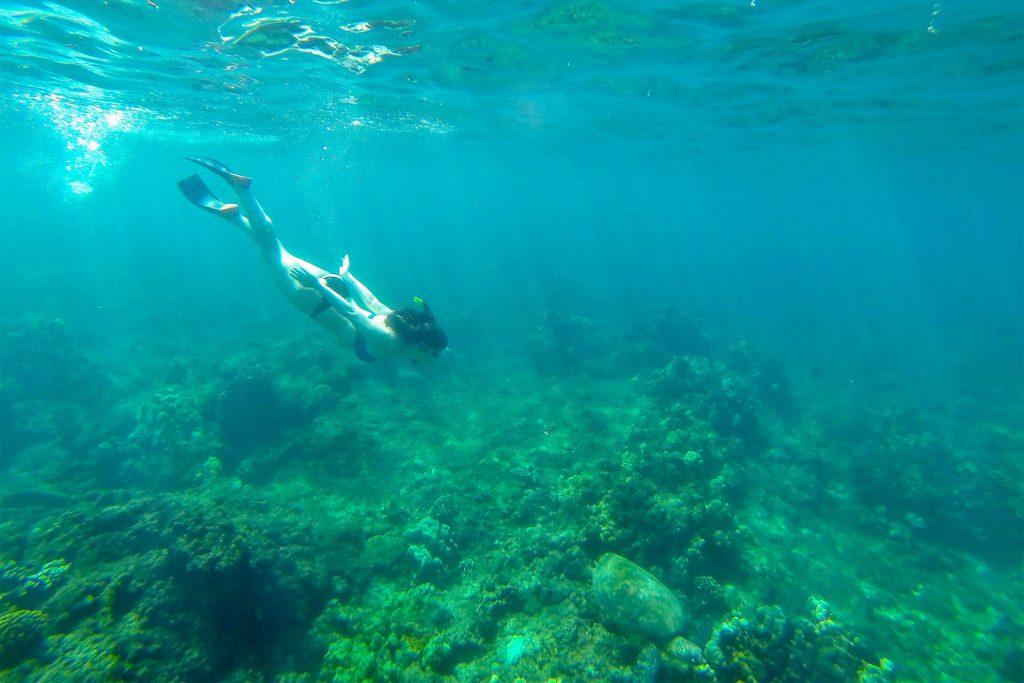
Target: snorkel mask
431 338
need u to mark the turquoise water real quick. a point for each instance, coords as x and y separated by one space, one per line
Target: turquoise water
732 289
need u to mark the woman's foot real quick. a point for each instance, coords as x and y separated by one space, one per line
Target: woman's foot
196 191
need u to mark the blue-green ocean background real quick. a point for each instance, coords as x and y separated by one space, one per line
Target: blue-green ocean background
840 184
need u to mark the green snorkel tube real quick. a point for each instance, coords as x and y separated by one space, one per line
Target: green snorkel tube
426 308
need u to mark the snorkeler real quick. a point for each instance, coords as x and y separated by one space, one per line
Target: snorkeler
338 302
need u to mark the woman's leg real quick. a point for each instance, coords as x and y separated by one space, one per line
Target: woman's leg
367 297
257 225
255 222
196 191
261 228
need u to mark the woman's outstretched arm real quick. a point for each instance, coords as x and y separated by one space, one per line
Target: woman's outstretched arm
359 318
360 290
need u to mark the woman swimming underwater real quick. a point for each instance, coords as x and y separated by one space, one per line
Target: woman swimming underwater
339 302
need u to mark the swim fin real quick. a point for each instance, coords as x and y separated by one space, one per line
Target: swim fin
196 191
233 179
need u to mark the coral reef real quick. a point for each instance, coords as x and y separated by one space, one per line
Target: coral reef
683 660
431 548
47 384
21 633
247 405
196 591
697 390
226 519
950 504
45 359
770 646
21 585
562 342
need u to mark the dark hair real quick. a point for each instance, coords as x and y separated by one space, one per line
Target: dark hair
418 327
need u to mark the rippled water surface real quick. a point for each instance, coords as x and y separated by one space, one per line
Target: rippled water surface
674 73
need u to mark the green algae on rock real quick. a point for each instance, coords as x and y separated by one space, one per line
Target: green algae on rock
683 660
21 631
771 645
633 601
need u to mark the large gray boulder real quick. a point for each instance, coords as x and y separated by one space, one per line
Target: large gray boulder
632 601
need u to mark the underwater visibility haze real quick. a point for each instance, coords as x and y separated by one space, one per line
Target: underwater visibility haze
733 295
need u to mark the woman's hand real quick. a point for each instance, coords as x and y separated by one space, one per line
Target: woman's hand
304 277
